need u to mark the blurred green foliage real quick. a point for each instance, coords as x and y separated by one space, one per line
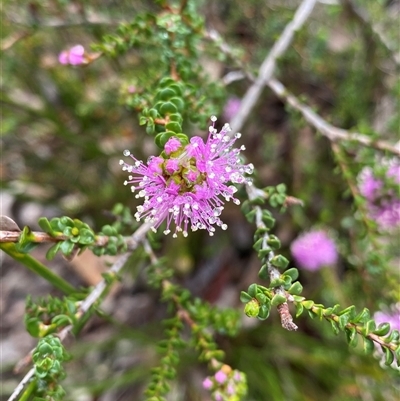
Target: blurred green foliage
64 129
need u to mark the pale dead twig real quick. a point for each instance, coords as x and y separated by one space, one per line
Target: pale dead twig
328 130
331 132
268 66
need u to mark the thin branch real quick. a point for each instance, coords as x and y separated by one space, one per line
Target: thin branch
315 120
363 18
267 68
326 129
21 385
91 299
40 237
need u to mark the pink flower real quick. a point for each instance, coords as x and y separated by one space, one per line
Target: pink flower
369 186
220 377
231 108
383 206
73 56
392 317
172 145
313 250
207 383
186 188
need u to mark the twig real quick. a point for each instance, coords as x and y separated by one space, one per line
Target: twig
21 385
326 129
363 18
268 66
274 274
91 299
42 237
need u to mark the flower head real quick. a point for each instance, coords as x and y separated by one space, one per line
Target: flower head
226 384
207 383
383 205
220 377
313 250
74 56
186 184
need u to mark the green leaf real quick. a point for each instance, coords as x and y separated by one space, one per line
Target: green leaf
250 216
343 320
176 117
281 188
166 94
174 127
261 298
66 247
86 236
276 282
178 102
274 242
264 312
299 308
389 356
308 304
162 138
334 326
252 290
259 201
32 325
258 244
368 327
46 226
278 299
351 336
61 320
263 273
168 108
66 221
295 289
368 345
279 261
143 120
292 272
25 242
51 253
382 329
245 297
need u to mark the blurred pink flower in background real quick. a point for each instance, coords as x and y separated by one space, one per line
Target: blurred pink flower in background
231 108
383 206
74 56
314 250
392 317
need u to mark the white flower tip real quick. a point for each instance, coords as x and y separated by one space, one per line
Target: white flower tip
224 226
121 162
125 182
185 234
213 119
238 135
166 232
126 152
